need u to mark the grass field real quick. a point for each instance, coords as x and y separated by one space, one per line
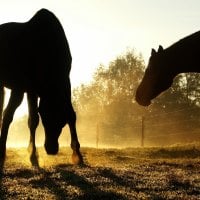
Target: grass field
135 173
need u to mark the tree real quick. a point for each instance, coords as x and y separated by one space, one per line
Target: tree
109 100
184 93
116 83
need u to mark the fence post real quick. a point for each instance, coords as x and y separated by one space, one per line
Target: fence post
142 132
97 135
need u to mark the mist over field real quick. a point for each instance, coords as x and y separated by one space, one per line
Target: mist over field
108 115
19 135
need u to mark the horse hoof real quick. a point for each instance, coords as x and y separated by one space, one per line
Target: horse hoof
34 160
77 158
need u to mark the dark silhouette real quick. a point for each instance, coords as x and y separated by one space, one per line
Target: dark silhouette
35 58
164 65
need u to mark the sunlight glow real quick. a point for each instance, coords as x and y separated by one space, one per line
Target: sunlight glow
22 109
98 31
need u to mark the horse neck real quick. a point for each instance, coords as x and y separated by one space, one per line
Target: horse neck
170 64
182 58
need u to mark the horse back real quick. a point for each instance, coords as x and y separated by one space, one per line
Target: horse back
185 53
34 52
188 44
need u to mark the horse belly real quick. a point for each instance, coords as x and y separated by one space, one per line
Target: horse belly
14 77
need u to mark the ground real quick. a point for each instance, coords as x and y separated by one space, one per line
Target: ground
132 173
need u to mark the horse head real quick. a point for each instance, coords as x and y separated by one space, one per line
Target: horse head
157 78
54 118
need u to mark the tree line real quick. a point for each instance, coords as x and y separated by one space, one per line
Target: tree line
109 100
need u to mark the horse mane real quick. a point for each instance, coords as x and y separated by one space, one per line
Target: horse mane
188 41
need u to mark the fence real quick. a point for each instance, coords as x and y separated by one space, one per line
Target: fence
180 126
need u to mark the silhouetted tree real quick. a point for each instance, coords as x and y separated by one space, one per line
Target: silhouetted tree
110 98
184 93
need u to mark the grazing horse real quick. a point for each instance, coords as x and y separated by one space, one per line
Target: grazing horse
164 65
35 59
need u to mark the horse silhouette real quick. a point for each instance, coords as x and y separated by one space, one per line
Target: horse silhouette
165 64
35 59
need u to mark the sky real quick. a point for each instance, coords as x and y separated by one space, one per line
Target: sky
100 30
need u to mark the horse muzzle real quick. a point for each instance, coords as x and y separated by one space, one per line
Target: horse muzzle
51 148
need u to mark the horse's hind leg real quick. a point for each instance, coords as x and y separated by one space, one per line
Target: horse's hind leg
33 121
71 119
75 145
14 101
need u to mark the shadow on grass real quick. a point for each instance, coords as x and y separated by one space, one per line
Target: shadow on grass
62 182
70 182
86 188
175 153
2 189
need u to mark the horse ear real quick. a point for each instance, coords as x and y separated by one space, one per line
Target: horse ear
153 52
160 49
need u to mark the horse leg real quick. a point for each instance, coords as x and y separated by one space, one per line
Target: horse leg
15 100
2 94
33 121
77 158
75 145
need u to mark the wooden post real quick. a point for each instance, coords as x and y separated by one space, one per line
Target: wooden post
142 132
97 135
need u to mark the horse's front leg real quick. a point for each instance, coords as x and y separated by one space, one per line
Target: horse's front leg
14 101
75 145
33 120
